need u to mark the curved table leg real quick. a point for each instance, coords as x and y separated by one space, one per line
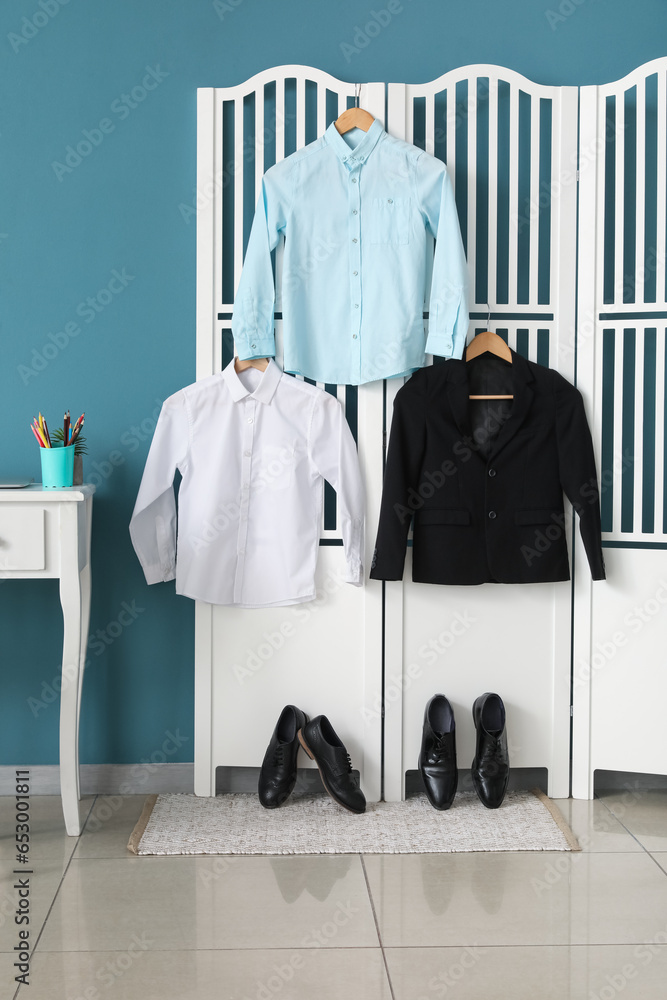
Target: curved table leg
71 602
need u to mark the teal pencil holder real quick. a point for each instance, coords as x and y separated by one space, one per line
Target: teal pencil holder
57 466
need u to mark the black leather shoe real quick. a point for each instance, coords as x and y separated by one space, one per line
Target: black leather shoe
277 776
491 766
437 760
320 742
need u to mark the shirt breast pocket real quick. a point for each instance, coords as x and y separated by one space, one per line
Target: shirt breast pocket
390 221
276 468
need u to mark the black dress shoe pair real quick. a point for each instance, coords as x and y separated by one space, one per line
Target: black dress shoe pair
437 760
277 776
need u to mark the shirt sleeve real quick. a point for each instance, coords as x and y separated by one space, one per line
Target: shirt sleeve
252 319
401 480
448 305
153 522
334 455
578 475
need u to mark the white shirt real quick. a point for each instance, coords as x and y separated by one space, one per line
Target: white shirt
254 450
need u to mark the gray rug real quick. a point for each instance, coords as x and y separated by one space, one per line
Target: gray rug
237 824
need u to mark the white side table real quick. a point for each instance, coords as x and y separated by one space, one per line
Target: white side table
46 533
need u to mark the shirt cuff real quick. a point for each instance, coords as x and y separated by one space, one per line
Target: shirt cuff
354 573
155 574
441 344
256 348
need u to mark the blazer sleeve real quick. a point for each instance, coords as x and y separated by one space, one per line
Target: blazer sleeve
333 453
153 522
578 475
401 479
252 318
448 303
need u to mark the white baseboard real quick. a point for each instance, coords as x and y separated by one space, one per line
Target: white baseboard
104 779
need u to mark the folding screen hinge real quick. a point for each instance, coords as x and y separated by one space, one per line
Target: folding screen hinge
577 176
571 710
384 439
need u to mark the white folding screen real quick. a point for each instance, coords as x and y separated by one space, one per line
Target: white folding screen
621 626
517 153
324 656
504 139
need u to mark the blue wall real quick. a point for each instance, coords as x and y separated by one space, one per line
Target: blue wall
67 228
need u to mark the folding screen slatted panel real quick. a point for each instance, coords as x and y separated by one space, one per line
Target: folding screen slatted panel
504 140
330 661
620 626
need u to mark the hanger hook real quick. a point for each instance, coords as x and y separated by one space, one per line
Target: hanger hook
357 91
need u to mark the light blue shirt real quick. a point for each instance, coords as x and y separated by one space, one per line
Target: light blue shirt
357 213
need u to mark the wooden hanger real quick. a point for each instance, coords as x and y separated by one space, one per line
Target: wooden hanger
261 364
354 117
493 344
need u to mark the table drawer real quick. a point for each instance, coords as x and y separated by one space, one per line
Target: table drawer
22 538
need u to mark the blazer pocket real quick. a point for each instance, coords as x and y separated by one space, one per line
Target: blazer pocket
390 221
545 516
442 517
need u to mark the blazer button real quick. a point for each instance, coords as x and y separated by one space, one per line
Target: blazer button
492 472
492 514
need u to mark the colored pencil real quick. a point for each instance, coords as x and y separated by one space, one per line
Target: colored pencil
40 435
39 440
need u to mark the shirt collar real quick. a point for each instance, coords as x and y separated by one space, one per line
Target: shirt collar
267 386
360 153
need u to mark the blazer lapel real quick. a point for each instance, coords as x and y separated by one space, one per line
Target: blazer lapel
523 398
457 394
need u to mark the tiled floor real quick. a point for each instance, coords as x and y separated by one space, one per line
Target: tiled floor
107 925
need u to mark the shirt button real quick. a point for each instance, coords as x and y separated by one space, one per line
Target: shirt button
354 239
390 200
247 454
246 485
354 180
253 346
492 514
355 273
354 336
249 420
354 211
356 305
492 472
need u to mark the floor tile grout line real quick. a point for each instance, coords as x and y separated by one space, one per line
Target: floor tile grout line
377 927
365 947
630 833
58 887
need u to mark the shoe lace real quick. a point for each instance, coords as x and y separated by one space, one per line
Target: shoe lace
442 749
493 755
278 756
344 760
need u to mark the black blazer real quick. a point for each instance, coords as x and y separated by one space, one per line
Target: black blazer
485 480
